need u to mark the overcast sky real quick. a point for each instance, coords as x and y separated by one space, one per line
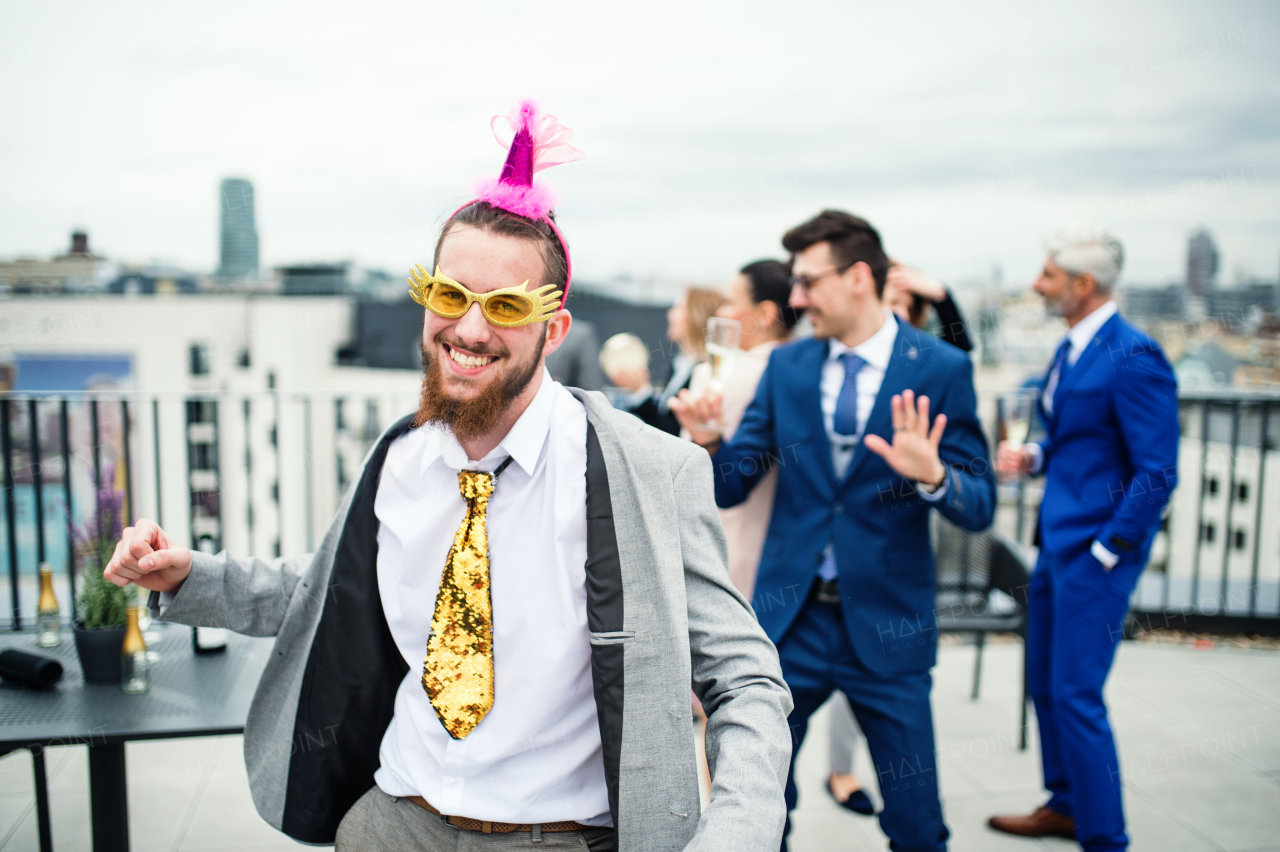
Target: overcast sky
962 130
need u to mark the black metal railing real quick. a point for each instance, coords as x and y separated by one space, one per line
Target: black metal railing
262 472
253 472
1215 563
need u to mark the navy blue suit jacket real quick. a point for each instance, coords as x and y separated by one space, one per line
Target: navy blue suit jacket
875 518
1111 454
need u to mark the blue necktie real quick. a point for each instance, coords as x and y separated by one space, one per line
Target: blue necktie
845 420
1060 365
1060 358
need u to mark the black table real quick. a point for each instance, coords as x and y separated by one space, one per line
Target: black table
192 695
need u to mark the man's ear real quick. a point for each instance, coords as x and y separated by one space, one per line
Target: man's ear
557 331
1086 284
865 280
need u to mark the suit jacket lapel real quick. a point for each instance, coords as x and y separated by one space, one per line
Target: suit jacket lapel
806 394
1046 417
1087 357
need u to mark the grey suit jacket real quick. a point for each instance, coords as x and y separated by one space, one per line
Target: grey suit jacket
662 614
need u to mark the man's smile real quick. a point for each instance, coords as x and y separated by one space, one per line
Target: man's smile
467 363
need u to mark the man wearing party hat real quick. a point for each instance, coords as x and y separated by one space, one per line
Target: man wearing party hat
493 644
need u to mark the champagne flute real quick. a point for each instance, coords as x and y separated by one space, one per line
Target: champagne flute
1016 410
1017 418
723 336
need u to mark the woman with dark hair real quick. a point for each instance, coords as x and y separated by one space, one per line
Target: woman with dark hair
757 298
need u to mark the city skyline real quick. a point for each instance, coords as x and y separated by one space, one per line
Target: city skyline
963 143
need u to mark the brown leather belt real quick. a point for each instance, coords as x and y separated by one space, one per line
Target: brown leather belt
469 824
826 591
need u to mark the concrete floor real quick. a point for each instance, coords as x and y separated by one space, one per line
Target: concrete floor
1199 731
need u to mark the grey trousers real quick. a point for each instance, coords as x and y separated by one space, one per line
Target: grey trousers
845 734
381 823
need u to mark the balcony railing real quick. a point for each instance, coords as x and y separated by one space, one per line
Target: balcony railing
255 473
263 473
1215 563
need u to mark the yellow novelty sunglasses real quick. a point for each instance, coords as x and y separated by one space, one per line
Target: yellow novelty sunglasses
508 307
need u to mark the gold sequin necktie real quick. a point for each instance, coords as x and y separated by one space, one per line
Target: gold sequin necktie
458 671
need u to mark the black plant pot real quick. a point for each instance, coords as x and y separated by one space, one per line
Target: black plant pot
99 652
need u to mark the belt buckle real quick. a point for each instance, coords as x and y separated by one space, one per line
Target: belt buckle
827 591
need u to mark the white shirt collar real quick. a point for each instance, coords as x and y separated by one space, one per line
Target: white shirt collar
523 443
876 349
1082 332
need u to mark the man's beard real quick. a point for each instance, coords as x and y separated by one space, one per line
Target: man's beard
470 419
1063 305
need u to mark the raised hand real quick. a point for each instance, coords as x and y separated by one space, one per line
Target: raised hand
695 410
914 281
145 555
914 451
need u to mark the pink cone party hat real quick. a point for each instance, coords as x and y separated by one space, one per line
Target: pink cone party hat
534 142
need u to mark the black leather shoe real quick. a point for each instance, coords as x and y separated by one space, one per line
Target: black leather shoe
858 802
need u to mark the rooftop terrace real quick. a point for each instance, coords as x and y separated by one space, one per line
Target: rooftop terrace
1198 727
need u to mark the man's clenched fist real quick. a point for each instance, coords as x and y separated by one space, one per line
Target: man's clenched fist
144 555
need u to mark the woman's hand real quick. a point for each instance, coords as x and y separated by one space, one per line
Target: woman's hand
914 281
695 410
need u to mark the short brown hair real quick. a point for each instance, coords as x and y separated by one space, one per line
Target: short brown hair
495 220
852 240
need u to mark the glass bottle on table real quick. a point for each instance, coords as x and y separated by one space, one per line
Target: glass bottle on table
48 614
135 668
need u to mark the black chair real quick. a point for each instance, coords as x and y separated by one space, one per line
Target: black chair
972 569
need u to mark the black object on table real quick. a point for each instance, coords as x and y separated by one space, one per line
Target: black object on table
30 669
190 696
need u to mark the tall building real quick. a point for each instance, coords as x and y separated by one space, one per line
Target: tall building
238 258
1202 264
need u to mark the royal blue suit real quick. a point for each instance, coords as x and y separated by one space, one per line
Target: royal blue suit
1110 458
878 645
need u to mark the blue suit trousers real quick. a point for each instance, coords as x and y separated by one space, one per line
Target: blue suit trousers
1076 618
893 711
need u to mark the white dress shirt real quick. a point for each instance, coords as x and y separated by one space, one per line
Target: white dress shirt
536 756
876 351
1078 336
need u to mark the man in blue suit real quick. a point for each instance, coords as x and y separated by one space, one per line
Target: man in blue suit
846 583
1110 405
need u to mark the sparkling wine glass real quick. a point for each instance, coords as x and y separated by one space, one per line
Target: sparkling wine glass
1017 418
723 336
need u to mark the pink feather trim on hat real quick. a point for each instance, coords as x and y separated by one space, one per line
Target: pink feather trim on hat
533 201
550 139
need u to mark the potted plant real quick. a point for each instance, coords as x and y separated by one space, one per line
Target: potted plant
100 604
